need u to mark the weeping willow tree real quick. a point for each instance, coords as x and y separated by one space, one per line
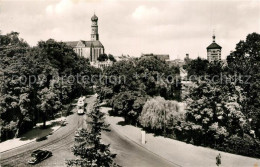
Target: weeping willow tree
159 114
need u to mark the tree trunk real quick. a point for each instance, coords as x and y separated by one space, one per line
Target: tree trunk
52 114
44 121
17 133
18 129
44 124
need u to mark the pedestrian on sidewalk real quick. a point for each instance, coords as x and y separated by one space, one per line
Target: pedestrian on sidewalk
218 160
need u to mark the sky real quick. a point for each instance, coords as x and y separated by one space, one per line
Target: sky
134 27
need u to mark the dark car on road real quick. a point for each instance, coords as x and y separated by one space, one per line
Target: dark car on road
39 155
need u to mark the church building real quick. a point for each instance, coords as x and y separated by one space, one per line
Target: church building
89 49
214 51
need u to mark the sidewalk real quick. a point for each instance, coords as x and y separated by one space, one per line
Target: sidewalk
32 135
178 152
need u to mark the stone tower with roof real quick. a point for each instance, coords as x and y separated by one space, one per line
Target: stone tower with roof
94 28
89 49
214 51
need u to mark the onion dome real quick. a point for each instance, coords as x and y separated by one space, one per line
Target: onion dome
94 18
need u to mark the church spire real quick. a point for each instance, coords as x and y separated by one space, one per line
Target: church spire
214 37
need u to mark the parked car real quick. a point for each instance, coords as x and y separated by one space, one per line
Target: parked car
38 139
63 122
39 155
77 133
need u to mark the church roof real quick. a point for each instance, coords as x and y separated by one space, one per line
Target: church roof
214 45
72 43
93 43
88 44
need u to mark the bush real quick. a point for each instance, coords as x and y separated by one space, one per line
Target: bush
245 145
8 131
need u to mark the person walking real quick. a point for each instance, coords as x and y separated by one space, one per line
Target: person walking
218 159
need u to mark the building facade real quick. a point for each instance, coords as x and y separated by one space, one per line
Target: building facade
214 51
89 49
163 57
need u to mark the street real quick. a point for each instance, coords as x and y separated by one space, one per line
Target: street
130 154
60 143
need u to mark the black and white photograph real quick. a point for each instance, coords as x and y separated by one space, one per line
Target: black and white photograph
130 83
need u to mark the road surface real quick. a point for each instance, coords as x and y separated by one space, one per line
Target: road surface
60 143
131 154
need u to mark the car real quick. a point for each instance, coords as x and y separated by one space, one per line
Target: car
39 155
77 133
38 139
63 122
80 110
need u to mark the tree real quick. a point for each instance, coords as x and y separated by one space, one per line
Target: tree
128 104
136 80
161 115
33 84
105 93
215 69
111 58
103 57
121 70
88 146
245 62
49 103
225 114
12 39
16 105
197 67
215 111
60 56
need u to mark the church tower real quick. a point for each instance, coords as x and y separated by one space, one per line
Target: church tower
214 51
94 28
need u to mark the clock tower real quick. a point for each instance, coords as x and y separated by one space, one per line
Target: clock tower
94 28
214 51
